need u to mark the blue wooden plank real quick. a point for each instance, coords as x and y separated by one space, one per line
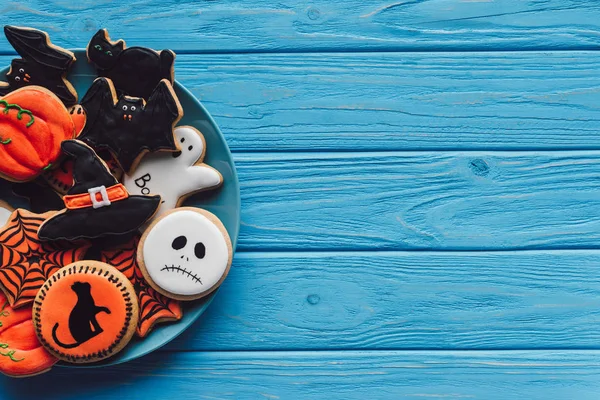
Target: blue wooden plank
294 25
419 200
406 300
408 101
361 375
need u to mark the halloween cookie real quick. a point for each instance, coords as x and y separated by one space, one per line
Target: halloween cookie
175 176
85 312
97 204
128 126
33 123
154 307
41 63
21 354
5 211
135 71
185 254
61 177
25 261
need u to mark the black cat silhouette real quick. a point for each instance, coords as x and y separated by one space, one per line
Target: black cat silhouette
83 324
135 71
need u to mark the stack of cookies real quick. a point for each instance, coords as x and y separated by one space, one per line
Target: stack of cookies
104 251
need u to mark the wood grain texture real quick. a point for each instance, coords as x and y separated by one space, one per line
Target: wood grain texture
423 200
405 300
326 375
294 25
399 101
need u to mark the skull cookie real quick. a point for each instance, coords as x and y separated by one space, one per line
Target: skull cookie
185 254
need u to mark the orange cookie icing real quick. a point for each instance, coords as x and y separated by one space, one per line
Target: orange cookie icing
33 123
154 307
21 354
85 312
25 261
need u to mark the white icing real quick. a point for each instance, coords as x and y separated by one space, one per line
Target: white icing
174 177
176 268
5 213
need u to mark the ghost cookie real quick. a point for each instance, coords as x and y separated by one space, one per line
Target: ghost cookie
175 176
185 254
5 212
41 63
85 312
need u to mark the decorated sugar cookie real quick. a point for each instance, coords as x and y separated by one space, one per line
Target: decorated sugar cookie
41 63
5 211
97 204
61 177
135 71
154 307
85 312
21 354
33 123
175 176
185 254
26 261
128 126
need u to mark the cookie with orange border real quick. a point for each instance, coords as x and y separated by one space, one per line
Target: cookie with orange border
85 312
21 354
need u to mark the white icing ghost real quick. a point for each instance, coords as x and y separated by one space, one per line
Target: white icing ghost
174 175
185 253
5 212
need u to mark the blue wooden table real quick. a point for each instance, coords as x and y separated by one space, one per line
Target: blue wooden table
421 197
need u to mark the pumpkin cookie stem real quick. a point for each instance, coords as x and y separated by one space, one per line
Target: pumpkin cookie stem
7 141
8 106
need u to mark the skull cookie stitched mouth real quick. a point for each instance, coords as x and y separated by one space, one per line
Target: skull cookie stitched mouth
184 271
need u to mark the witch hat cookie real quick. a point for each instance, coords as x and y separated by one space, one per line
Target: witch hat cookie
97 205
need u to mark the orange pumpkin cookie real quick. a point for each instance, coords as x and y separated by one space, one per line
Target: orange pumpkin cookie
21 354
85 312
33 123
154 307
25 261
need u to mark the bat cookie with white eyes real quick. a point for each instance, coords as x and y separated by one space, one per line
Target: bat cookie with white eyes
185 254
130 127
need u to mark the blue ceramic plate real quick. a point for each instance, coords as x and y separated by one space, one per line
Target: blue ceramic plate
223 202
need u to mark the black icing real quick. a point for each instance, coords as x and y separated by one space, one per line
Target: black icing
118 218
126 127
40 64
135 71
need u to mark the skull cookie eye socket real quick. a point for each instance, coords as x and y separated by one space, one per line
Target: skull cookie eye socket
199 250
179 242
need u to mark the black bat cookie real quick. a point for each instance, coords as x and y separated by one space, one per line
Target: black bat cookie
41 63
135 71
128 126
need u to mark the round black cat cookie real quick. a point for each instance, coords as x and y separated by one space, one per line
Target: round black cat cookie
85 312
